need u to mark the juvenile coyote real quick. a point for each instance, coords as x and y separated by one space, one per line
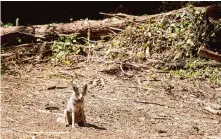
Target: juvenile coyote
74 113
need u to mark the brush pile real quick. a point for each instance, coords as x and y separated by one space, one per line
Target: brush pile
169 37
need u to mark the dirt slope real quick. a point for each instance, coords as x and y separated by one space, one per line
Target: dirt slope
116 106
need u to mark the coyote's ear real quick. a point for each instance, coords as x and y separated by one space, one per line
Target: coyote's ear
84 90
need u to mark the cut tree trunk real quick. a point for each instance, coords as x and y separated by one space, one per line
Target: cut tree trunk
26 34
93 30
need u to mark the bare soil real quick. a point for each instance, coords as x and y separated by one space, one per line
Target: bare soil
116 106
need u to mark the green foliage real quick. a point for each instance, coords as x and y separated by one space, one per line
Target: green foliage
168 35
213 75
7 25
62 48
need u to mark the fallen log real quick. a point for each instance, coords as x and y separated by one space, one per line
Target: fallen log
10 35
204 52
84 28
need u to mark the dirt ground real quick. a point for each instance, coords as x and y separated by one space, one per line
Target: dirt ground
116 106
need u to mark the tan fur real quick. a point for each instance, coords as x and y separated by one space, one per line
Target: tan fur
74 113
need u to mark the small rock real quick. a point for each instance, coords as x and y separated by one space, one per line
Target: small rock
161 131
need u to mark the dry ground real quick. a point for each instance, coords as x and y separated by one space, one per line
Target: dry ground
143 106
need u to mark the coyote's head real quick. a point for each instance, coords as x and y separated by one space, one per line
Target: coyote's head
79 93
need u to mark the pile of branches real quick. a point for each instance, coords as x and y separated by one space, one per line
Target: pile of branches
173 36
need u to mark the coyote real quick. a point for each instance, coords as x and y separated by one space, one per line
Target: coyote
74 113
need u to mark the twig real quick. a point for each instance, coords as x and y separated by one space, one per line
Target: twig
66 73
7 54
88 39
30 44
56 87
143 102
48 112
146 102
133 65
113 32
132 87
41 51
12 119
117 29
154 79
218 89
164 118
218 112
117 15
51 108
159 71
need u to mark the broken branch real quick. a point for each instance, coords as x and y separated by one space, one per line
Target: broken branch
204 52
